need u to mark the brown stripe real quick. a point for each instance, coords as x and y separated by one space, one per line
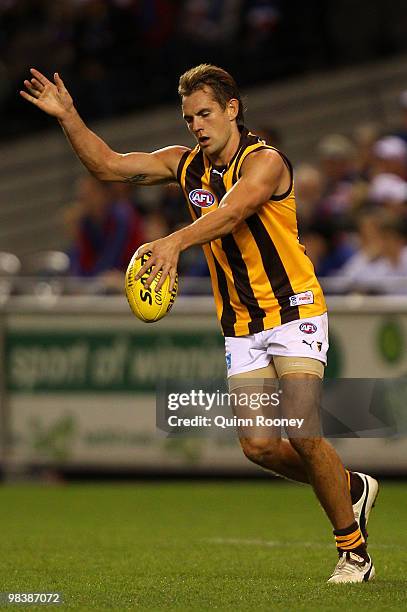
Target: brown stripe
235 170
275 198
274 268
245 141
349 541
351 546
242 284
228 318
238 158
193 179
238 267
181 165
283 196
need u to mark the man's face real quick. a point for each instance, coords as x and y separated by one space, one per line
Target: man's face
209 123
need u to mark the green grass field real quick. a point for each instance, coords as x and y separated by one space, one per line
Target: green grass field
183 546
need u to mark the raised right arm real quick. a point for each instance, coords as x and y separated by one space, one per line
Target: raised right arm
104 163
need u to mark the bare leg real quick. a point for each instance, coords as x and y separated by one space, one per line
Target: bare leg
301 396
276 455
309 459
266 449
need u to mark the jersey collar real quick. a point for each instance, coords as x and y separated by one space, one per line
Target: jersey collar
220 170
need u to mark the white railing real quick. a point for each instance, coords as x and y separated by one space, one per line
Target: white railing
47 300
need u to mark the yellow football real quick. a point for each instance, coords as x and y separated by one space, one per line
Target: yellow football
146 303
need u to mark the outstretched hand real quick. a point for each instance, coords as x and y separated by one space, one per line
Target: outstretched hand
164 257
51 97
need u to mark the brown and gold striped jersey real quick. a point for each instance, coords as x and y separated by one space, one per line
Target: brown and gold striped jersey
261 276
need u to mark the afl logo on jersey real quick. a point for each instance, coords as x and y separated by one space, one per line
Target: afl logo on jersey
202 198
308 328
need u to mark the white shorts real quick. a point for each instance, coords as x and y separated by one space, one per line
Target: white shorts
301 338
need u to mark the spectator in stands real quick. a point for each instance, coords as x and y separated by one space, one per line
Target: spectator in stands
401 129
94 37
157 21
381 264
337 163
391 270
390 156
209 28
328 246
389 191
271 135
173 206
261 22
155 226
308 192
316 246
364 137
107 230
194 263
362 267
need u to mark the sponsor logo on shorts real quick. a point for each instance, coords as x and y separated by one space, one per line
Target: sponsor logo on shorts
308 343
202 198
299 299
228 360
308 328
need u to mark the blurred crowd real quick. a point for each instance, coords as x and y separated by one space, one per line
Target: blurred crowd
108 221
120 55
352 208
351 205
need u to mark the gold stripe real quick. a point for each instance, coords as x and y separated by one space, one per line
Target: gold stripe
242 314
248 150
258 278
352 546
250 253
348 536
281 225
280 221
214 278
351 540
206 184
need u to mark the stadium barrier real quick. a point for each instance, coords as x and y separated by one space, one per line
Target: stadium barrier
79 375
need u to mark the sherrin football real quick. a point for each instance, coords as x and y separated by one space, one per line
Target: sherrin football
146 303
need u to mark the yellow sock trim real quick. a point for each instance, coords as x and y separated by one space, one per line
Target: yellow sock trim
349 541
358 542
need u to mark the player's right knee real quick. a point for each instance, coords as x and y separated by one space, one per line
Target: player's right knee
260 450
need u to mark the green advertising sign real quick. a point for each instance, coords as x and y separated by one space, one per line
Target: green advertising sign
115 361
390 339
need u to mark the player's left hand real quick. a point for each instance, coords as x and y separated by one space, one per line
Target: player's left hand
164 257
